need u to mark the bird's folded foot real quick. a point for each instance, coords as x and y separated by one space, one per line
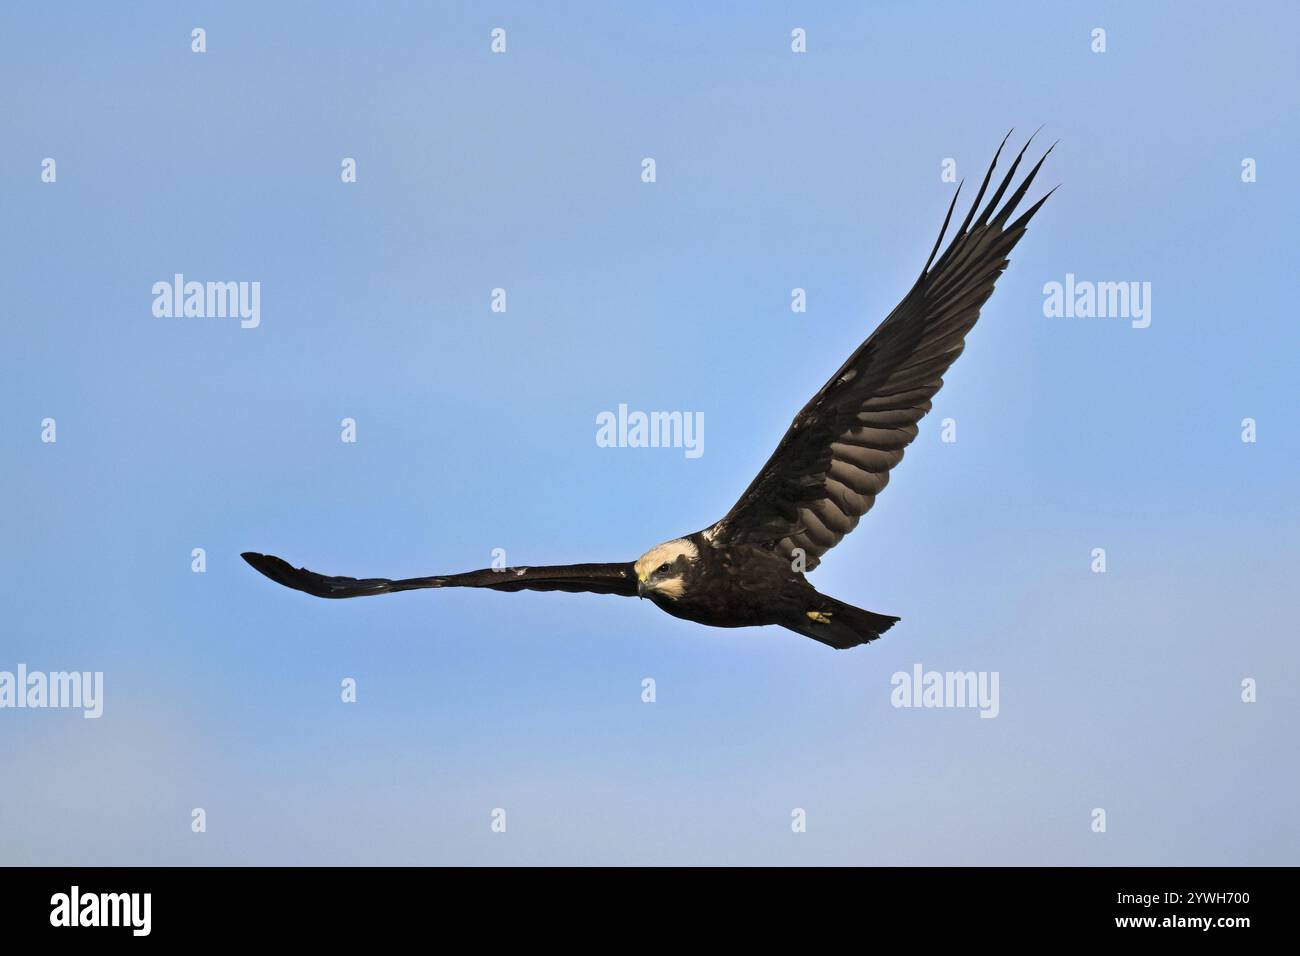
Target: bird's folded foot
819 617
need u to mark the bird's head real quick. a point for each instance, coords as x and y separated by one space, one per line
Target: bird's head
662 571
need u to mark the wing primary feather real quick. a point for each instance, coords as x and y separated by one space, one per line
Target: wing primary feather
1005 212
974 206
1002 188
988 176
943 229
1028 214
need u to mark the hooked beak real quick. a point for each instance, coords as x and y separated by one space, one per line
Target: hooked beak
640 589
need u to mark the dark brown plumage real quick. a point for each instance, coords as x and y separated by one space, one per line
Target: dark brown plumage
836 457
837 454
594 578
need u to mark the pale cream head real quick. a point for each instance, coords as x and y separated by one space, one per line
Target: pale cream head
651 574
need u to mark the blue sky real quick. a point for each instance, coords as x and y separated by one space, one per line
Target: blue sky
476 431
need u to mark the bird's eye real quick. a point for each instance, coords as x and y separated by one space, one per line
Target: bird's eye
663 567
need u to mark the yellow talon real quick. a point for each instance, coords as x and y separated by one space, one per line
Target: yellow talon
819 617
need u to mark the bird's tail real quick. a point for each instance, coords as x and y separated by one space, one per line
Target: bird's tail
839 625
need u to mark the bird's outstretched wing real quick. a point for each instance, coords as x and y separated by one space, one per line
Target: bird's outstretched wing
594 578
836 456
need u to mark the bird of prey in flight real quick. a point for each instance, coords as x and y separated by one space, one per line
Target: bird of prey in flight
835 458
